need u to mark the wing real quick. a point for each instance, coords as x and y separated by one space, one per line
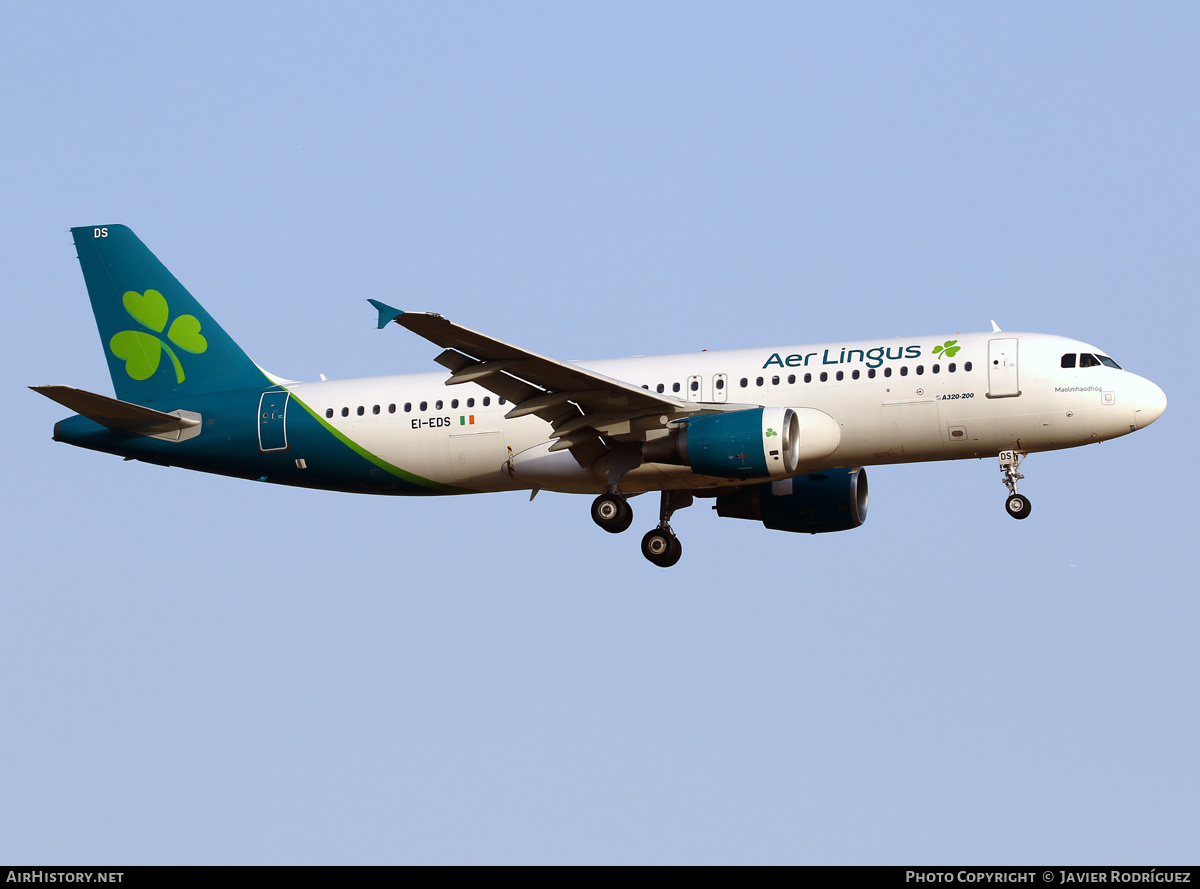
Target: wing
587 410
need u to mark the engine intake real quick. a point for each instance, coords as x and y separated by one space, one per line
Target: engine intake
833 500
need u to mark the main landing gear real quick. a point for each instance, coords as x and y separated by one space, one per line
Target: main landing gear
660 545
612 512
1017 505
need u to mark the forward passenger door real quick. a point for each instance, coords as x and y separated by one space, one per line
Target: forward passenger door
1003 381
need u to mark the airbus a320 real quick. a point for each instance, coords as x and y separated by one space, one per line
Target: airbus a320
779 435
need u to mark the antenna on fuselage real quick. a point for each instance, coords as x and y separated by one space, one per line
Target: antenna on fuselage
995 327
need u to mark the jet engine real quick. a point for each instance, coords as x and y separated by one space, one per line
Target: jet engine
763 442
832 500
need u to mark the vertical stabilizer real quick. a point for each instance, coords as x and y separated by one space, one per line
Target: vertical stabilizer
158 340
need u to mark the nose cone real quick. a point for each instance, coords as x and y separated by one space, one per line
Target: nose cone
1148 404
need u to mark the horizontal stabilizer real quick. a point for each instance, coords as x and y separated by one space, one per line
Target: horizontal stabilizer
116 414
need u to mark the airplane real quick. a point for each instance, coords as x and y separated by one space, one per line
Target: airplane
779 435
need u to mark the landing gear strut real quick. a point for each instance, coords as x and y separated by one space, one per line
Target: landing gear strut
612 512
1017 505
660 545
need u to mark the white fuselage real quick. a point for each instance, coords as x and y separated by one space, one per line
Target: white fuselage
893 400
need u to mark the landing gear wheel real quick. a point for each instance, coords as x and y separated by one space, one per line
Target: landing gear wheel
662 547
612 513
1018 506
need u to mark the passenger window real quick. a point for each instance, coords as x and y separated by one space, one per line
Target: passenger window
840 376
967 367
424 405
1068 360
375 410
904 371
501 401
824 377
953 367
758 381
920 369
470 402
855 375
720 383
329 413
774 381
675 386
695 386
745 383
345 412
887 371
644 386
937 368
361 410
454 404
408 407
791 379
391 408
660 388
808 378
438 406
487 399
871 373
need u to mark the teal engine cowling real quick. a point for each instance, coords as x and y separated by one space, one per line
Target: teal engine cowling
761 442
831 500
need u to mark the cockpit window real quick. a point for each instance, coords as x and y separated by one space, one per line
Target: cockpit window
1068 360
1086 359
1108 362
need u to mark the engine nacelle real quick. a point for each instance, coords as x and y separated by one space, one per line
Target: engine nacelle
832 500
764 442
761 442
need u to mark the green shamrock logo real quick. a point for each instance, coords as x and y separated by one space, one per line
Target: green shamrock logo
947 350
142 351
771 432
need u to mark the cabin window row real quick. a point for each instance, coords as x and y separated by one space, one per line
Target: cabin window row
361 410
854 374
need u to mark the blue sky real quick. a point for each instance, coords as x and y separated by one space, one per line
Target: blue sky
198 669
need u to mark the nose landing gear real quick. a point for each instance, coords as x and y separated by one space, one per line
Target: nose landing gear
660 545
1017 505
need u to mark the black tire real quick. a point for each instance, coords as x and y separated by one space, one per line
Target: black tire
661 547
1018 506
612 512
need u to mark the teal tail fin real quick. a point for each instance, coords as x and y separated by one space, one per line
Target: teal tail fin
158 340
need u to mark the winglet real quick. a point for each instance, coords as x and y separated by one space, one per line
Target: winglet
386 313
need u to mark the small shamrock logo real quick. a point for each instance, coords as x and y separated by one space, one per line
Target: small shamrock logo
771 432
142 351
948 349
